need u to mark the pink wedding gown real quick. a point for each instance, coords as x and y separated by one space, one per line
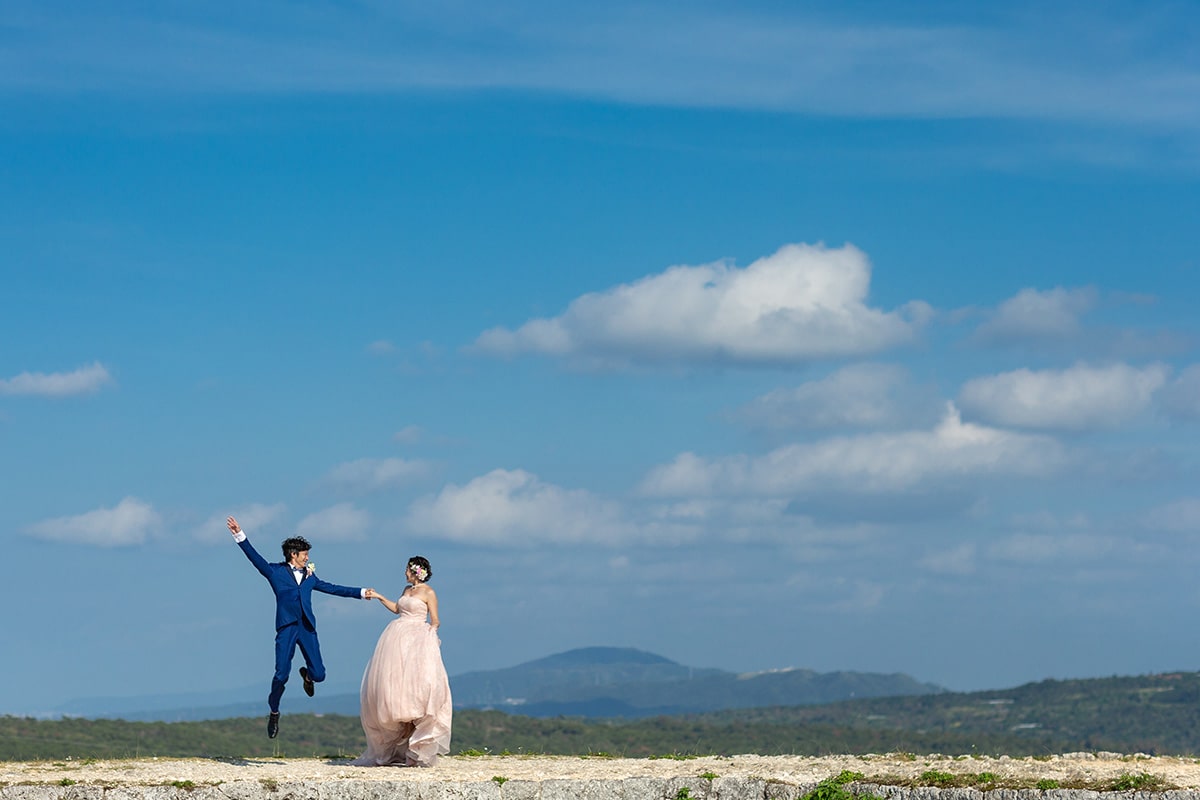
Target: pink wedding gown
405 696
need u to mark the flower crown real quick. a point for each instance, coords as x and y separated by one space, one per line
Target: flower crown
418 571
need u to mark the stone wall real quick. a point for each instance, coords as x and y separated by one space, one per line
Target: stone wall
639 788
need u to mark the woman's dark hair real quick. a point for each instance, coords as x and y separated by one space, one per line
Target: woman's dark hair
423 563
296 544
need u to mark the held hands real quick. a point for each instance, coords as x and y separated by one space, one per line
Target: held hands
233 526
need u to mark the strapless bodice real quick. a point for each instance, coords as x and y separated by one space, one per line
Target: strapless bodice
413 608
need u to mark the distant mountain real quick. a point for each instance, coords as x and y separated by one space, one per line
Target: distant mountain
590 682
570 676
621 682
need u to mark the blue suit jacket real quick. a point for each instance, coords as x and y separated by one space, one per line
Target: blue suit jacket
293 601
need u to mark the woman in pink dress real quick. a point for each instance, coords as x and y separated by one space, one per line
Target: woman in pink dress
405 698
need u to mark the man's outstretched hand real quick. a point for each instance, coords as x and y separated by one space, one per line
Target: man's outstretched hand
231 523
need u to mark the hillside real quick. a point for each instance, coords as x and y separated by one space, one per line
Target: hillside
1154 714
1148 713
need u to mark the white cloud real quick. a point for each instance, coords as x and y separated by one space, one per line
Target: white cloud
857 396
728 519
1034 315
802 303
1181 516
409 434
130 522
250 518
1108 67
84 380
372 474
342 522
381 347
1181 397
955 561
866 463
1039 547
1050 522
1081 397
514 507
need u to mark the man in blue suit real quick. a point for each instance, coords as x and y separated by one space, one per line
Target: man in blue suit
293 582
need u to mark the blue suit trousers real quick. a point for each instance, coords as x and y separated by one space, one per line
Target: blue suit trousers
287 639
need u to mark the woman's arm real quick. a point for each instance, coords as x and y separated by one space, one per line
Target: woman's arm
431 601
388 604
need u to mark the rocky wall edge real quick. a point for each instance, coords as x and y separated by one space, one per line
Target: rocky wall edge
644 788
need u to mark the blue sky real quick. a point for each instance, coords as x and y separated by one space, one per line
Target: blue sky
843 336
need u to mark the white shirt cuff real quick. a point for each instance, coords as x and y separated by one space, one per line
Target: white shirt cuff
239 537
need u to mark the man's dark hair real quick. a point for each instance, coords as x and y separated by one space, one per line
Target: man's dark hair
296 544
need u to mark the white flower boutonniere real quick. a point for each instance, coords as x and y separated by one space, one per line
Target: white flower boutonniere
311 567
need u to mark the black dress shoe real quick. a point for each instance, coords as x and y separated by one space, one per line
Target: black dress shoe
309 686
273 725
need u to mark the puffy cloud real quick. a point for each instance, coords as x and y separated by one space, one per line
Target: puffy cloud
954 561
84 380
251 518
858 396
342 522
130 522
1181 397
932 503
1181 516
372 474
1034 315
409 434
1079 398
867 463
802 303
1042 547
1046 537
515 507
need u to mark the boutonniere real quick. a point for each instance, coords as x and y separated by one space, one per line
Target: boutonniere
311 568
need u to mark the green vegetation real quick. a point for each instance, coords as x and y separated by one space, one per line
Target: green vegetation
835 788
986 781
933 777
1141 782
23 739
484 733
1152 714
1156 715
